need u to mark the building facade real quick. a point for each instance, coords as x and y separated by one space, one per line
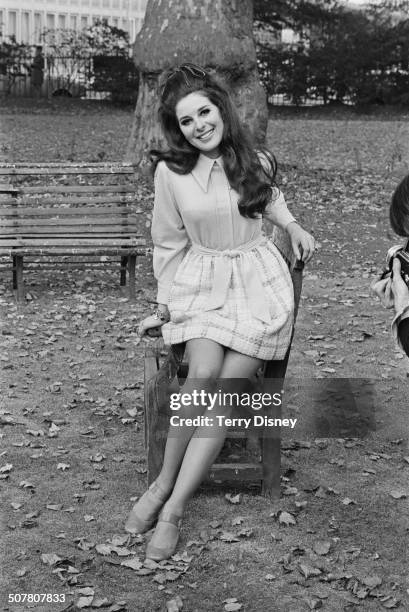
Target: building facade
26 19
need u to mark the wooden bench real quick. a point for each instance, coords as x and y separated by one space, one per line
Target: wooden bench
161 367
62 211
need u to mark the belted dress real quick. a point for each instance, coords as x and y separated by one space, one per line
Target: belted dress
220 277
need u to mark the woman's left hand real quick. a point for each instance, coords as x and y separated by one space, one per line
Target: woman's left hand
302 242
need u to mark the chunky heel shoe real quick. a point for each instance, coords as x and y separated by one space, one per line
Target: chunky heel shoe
164 541
145 512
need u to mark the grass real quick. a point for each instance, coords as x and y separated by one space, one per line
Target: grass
70 357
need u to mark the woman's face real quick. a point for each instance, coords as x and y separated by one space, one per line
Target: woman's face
201 123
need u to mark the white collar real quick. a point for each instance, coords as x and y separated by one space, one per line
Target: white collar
203 168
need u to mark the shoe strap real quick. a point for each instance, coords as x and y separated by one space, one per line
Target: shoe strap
157 491
167 516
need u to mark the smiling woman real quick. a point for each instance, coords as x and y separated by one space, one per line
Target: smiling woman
228 297
201 123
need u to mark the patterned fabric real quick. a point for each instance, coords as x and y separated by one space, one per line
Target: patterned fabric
233 325
231 285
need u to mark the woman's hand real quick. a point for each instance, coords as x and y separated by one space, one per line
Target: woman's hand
392 290
154 320
303 244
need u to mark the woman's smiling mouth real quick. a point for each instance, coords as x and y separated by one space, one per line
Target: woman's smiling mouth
206 135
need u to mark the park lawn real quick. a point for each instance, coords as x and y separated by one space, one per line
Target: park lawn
70 356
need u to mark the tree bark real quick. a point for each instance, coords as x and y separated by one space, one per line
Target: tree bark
215 34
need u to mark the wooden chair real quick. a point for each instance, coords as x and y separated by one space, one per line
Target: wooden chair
164 367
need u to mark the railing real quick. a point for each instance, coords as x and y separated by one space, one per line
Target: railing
93 77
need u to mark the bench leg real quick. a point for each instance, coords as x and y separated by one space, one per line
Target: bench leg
131 271
19 277
124 263
271 454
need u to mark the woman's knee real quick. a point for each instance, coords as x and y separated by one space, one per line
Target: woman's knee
204 372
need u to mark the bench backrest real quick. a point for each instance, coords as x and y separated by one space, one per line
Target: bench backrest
67 201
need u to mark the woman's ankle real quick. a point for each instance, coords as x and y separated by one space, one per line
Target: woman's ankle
173 507
164 485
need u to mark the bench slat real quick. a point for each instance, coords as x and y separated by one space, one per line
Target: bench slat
69 241
77 189
30 211
59 169
43 200
139 249
114 230
53 222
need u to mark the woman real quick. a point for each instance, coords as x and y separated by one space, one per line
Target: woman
223 289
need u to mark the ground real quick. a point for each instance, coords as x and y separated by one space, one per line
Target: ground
72 457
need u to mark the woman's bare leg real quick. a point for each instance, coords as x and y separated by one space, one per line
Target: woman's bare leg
202 449
205 359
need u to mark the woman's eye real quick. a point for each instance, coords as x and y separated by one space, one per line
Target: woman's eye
185 122
205 111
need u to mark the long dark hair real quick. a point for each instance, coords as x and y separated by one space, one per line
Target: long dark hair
246 173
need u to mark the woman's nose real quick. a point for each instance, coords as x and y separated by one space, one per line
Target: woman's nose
199 125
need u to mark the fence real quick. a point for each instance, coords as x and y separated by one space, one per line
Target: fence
112 77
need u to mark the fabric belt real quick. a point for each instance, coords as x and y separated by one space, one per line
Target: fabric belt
223 270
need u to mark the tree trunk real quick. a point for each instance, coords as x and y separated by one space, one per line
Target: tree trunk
215 34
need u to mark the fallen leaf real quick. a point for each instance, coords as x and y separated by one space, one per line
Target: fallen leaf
321 547
134 563
398 494
50 558
309 570
233 499
285 518
227 536
175 604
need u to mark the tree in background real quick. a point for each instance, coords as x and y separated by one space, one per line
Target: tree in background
216 34
15 61
340 55
96 57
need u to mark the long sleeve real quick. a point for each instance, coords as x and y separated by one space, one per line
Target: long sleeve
168 234
276 210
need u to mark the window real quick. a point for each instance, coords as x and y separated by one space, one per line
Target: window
61 22
73 22
106 3
115 4
50 21
85 2
84 22
38 26
25 27
12 29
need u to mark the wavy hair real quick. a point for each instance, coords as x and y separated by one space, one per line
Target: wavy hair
251 173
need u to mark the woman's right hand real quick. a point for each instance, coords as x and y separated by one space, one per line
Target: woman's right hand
153 321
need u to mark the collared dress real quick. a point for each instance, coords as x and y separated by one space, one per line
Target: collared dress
220 277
